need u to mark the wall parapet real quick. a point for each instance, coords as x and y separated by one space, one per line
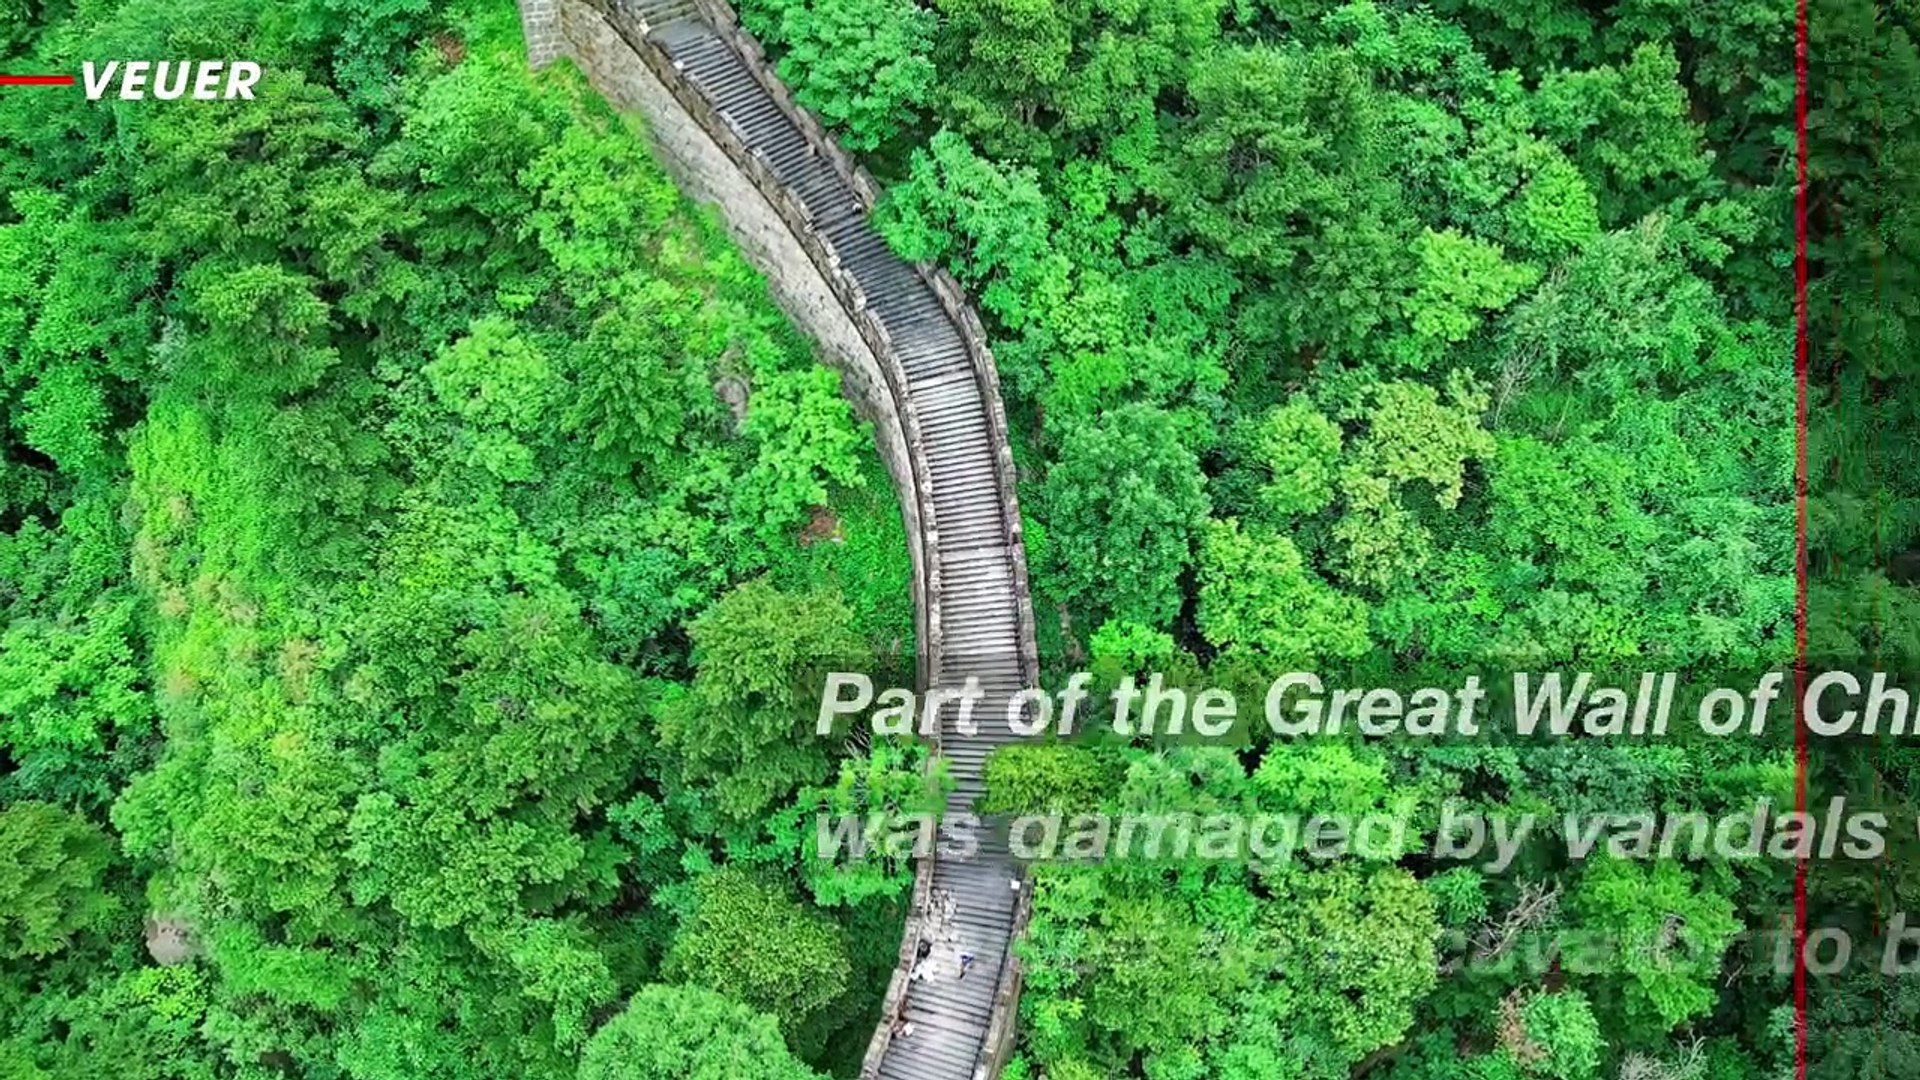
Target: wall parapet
952 297
586 28
540 24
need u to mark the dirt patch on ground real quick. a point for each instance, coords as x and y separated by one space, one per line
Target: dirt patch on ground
170 940
823 527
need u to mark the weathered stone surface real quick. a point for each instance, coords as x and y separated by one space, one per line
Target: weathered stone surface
911 353
540 22
170 940
705 172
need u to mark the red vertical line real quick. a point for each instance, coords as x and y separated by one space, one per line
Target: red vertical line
1879 525
1800 363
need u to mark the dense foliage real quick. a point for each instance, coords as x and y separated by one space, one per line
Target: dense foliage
1393 337
417 532
398 481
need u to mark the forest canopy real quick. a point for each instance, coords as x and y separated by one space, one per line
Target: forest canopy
1387 338
385 460
416 519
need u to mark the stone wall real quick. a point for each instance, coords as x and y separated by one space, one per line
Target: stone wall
720 15
540 22
705 172
705 156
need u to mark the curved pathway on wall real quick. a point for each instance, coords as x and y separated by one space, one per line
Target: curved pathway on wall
938 397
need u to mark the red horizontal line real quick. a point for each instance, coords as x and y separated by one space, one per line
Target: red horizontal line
36 80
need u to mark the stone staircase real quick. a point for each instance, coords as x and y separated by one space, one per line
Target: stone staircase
976 615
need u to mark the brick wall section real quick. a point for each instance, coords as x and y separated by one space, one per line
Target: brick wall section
767 236
540 22
722 18
705 172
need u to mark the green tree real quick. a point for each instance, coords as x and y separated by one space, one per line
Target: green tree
748 938
1628 128
1257 596
1368 941
862 65
689 1033
1298 449
1459 279
989 218
1563 1038
891 786
1049 777
50 887
1671 930
1125 500
1090 67
744 723
1281 168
